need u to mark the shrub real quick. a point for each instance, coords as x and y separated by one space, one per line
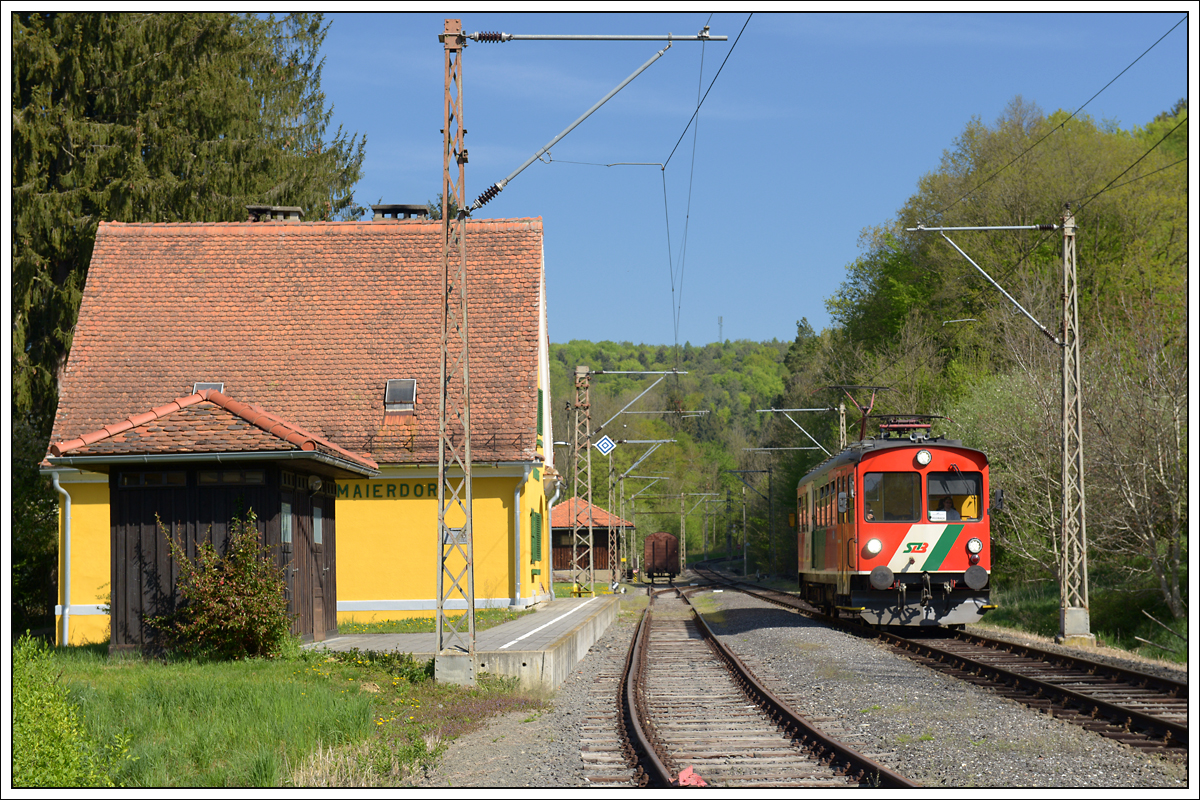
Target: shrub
49 747
401 665
233 606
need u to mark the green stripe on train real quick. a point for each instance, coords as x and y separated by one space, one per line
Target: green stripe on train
942 549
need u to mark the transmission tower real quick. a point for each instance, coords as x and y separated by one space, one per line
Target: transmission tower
454 661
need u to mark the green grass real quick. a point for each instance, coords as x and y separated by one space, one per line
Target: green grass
484 618
213 723
1115 612
344 719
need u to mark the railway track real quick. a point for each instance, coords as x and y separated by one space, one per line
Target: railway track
696 716
1141 710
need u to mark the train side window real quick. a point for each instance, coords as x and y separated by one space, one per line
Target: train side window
891 496
962 489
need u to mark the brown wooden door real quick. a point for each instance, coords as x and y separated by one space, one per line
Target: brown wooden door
320 571
287 547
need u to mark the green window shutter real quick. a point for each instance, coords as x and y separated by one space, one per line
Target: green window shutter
539 423
535 537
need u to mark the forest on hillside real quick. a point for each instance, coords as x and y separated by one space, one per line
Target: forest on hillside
913 315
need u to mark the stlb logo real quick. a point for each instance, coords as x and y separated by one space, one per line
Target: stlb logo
916 547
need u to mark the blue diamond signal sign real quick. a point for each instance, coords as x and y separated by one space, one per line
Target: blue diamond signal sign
605 445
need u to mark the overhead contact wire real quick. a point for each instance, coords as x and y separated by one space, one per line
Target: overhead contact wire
714 80
1058 127
1154 147
687 217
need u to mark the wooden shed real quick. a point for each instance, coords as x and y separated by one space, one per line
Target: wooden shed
195 465
562 523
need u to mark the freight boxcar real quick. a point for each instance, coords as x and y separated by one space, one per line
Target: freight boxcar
661 557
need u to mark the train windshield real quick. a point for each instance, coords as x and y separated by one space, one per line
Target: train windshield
891 497
954 495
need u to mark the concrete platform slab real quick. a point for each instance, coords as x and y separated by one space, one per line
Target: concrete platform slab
539 649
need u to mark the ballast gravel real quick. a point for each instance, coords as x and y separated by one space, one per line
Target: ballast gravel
934 729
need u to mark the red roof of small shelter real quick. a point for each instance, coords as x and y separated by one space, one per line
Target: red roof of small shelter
310 320
205 422
561 516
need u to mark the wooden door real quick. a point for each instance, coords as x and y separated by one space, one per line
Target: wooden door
320 571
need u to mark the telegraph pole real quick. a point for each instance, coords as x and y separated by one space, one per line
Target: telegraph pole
682 536
728 525
770 514
745 535
454 661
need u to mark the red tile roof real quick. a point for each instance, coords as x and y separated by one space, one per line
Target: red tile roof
205 422
310 320
561 517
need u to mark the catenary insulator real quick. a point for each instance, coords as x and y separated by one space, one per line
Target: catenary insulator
488 194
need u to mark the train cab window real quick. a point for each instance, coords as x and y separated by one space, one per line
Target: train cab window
954 496
891 497
841 501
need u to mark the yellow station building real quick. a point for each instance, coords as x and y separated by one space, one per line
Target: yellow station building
335 328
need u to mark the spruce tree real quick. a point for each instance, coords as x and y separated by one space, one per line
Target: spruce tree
139 117
153 118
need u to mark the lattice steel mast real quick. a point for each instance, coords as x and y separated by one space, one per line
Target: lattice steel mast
583 573
455 658
1074 621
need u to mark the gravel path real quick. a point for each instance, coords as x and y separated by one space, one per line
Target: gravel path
930 727
515 750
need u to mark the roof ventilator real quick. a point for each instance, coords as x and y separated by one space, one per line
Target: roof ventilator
269 213
197 388
400 211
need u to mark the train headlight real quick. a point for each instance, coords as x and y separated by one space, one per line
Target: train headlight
974 546
924 457
874 547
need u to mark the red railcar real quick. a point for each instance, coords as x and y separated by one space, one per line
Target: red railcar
661 557
895 531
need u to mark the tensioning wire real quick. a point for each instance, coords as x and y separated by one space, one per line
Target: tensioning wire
678 306
1061 124
1090 198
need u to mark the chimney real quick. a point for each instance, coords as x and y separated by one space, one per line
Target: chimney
268 213
394 210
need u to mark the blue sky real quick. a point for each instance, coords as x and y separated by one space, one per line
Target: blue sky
819 126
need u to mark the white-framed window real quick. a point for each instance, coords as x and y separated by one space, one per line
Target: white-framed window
285 523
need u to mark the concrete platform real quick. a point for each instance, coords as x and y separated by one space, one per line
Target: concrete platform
540 649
